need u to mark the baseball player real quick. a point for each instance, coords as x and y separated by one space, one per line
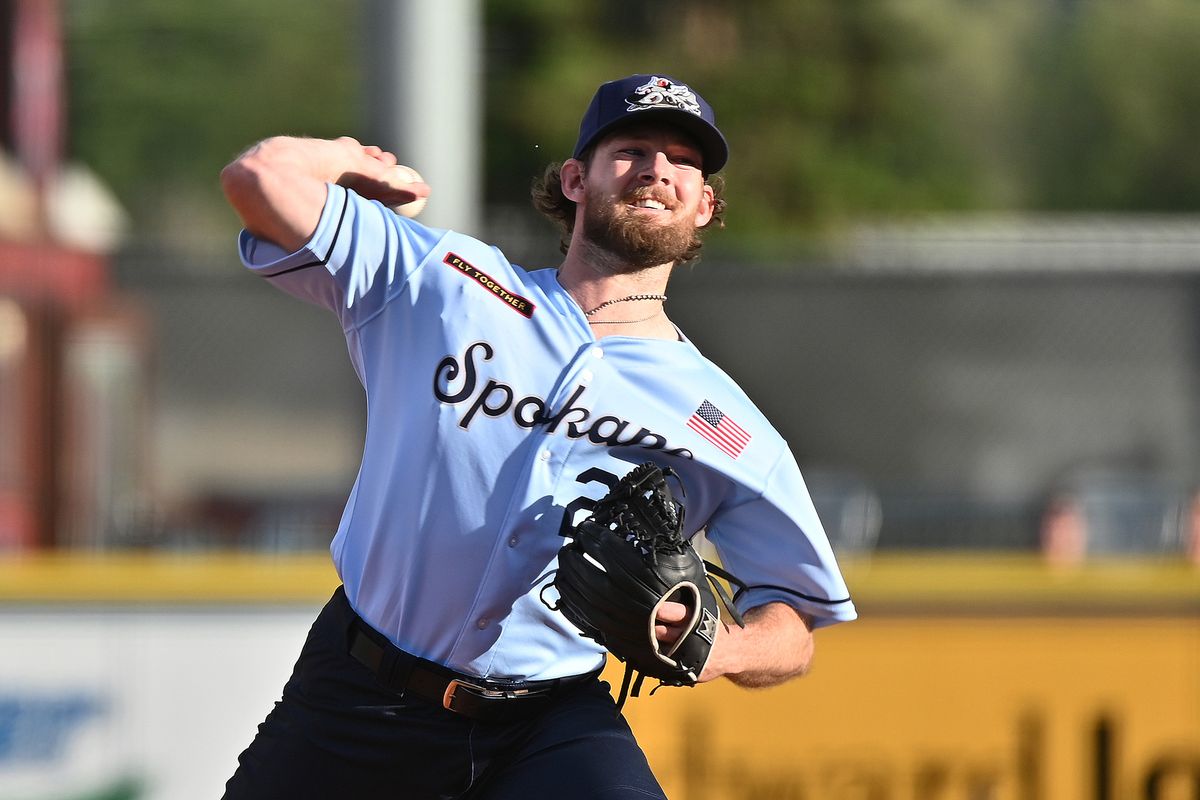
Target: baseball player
500 401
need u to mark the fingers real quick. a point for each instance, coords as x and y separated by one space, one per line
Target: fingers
371 151
667 626
672 612
376 174
420 189
407 192
668 634
379 154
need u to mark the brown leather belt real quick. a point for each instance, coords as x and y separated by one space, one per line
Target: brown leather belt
486 699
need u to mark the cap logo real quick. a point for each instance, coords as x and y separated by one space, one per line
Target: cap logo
662 93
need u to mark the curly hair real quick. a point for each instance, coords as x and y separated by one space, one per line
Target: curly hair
549 200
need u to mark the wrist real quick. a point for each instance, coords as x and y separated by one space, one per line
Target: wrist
322 160
723 659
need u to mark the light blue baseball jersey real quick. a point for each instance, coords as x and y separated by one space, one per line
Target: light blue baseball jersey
494 415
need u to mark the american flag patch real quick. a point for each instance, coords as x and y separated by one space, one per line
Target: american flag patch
727 435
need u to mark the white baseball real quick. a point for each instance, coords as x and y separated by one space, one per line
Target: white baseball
399 176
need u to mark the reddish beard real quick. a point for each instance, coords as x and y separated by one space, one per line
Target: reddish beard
637 239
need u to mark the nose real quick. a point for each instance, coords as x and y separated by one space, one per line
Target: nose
655 168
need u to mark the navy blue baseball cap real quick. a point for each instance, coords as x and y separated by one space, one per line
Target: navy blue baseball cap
657 97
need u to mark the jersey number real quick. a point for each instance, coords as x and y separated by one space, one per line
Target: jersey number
593 475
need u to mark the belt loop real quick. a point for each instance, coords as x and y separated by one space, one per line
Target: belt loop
391 665
396 668
348 620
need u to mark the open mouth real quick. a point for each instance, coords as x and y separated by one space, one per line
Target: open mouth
648 204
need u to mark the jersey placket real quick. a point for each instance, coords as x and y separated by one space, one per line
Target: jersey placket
547 456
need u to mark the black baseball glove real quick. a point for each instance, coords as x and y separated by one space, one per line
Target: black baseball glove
622 563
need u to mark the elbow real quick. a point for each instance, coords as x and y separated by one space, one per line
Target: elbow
800 664
805 647
271 188
805 662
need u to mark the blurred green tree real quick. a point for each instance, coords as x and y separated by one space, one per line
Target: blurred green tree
162 93
1112 108
836 111
831 108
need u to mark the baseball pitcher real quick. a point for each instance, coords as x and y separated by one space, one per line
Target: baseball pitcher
541 448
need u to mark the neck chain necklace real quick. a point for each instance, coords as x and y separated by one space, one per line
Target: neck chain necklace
631 297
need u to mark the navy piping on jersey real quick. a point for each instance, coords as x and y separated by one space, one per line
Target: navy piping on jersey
801 595
332 245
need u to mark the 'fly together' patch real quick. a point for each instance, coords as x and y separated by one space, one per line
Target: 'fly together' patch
514 301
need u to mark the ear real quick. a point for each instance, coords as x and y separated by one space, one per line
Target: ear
571 176
708 204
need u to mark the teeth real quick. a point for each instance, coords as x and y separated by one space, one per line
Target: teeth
650 204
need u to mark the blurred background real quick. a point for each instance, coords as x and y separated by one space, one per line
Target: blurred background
961 274
961 269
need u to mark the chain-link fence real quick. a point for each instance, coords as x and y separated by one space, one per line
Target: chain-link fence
928 406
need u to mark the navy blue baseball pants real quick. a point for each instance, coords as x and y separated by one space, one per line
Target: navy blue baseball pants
338 733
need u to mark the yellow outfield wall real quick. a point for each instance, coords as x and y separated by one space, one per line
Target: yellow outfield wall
965 678
954 707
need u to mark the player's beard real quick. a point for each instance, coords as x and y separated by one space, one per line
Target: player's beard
637 241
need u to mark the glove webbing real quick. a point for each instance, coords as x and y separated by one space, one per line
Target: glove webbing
649 519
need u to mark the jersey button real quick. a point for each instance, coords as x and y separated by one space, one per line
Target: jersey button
544 455
597 352
482 623
512 542
586 376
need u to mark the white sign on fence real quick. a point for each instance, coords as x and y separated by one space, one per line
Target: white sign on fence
136 704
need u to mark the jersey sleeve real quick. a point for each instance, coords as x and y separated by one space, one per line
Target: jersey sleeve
776 544
359 257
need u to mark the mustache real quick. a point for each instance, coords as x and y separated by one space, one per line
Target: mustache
650 193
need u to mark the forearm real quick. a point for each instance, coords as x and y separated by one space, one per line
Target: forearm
776 645
278 186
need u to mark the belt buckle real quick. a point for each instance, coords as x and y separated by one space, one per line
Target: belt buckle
480 691
451 688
